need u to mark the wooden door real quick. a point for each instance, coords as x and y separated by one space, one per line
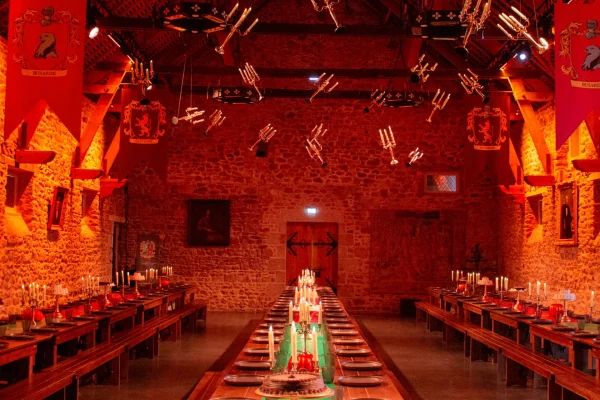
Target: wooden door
312 245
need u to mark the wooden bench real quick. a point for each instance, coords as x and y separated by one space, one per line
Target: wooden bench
43 384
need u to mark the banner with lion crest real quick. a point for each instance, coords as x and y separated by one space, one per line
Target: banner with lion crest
144 130
577 65
45 61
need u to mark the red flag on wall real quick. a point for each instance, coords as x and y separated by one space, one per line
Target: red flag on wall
577 65
144 130
487 140
45 61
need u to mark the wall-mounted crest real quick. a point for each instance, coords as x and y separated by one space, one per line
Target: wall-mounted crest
145 123
488 128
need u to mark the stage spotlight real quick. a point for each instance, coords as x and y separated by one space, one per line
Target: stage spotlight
524 53
94 32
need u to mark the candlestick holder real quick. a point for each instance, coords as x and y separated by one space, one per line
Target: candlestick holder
216 119
474 22
321 85
389 143
377 99
329 5
520 29
264 135
471 85
419 71
235 28
250 78
313 145
438 103
414 156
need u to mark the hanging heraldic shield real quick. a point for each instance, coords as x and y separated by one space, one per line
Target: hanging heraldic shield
45 61
488 128
577 65
144 124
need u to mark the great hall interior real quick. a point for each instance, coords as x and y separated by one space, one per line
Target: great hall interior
299 199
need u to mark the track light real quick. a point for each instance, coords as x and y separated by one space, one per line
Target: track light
94 32
524 53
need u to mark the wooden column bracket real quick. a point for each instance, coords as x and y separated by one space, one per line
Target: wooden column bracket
22 155
89 133
108 186
517 193
111 153
81 173
591 165
533 125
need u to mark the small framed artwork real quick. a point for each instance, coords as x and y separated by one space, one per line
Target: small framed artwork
57 209
208 222
567 214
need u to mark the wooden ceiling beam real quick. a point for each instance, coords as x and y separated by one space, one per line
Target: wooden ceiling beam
533 125
111 154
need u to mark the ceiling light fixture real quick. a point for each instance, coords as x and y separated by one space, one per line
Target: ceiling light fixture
94 32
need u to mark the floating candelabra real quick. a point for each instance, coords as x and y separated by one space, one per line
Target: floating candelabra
321 85
236 27
216 119
520 29
419 71
313 146
389 143
471 84
413 156
377 99
250 77
438 103
329 5
264 135
473 20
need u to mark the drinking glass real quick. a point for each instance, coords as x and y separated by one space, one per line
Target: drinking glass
581 324
26 325
328 372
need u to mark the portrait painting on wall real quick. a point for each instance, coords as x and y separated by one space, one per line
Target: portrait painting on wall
567 214
208 222
147 253
57 208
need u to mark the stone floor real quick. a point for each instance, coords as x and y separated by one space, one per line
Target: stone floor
427 368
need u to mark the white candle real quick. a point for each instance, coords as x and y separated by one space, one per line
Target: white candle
496 284
271 345
529 289
505 283
45 293
538 288
294 345
291 313
122 278
320 319
592 302
296 296
544 289
315 346
116 278
452 275
128 281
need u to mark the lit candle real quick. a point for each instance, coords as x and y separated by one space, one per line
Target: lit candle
529 289
271 345
294 345
496 284
151 67
320 318
544 289
315 345
538 288
592 302
122 278
505 283
116 278
128 281
452 275
37 292
23 294
296 296
45 293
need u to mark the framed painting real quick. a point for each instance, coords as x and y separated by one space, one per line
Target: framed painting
567 214
208 222
147 251
57 209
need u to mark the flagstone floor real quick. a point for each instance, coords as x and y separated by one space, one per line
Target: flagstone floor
426 367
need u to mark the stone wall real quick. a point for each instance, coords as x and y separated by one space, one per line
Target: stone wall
266 193
28 250
529 251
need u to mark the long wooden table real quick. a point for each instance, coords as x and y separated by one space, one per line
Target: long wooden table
580 349
213 386
43 351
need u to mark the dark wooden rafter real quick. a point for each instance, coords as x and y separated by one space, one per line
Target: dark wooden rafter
532 123
111 153
516 192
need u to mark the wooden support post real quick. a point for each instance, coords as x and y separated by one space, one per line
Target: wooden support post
514 375
532 123
111 154
501 371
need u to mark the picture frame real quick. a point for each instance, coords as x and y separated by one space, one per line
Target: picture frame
56 213
567 214
209 223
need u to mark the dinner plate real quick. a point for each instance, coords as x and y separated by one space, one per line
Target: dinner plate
541 321
19 336
64 323
361 365
343 332
44 329
257 351
340 326
85 318
360 381
244 380
253 365
510 312
353 352
116 308
265 339
348 342
561 328
526 316
102 312
495 308
584 334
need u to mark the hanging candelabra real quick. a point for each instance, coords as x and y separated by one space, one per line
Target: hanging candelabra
419 71
321 85
520 29
192 113
250 77
438 103
471 84
236 27
389 143
264 135
329 6
473 20
313 146
141 76
377 99
413 156
216 119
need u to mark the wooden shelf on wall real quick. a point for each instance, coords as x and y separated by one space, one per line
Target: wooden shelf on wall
517 193
82 173
34 156
586 165
540 180
108 186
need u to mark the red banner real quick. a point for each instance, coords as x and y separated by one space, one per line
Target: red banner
144 130
577 65
487 140
45 61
